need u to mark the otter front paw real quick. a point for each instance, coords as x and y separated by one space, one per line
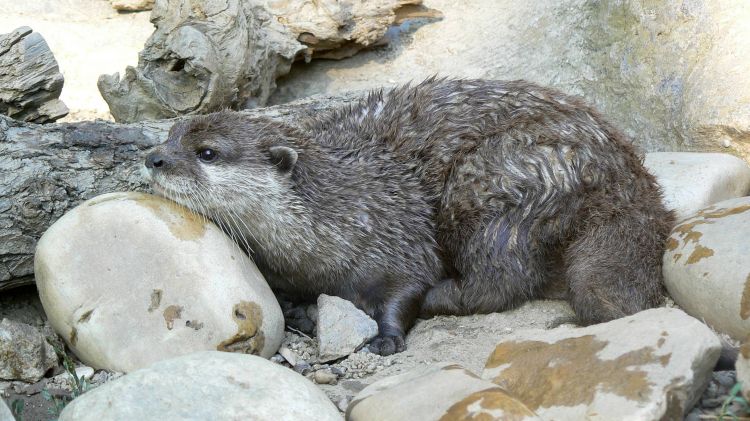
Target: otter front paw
387 344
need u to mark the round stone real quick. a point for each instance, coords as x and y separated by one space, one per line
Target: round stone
206 386
706 266
128 279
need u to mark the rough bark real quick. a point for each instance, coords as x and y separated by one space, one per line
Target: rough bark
210 54
30 80
47 169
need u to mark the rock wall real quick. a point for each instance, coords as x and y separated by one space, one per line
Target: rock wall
671 74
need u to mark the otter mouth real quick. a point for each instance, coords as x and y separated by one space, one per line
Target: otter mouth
158 188
168 192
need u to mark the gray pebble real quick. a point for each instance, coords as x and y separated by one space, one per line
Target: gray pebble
725 378
712 402
312 313
302 367
693 416
343 403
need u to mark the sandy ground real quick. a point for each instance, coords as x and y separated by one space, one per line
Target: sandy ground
88 38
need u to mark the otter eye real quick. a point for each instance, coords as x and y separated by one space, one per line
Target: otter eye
207 155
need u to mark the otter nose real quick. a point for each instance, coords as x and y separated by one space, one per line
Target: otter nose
155 160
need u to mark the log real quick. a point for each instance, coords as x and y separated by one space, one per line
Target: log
30 80
207 55
45 170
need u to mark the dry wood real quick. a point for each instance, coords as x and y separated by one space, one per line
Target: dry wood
46 170
207 55
30 80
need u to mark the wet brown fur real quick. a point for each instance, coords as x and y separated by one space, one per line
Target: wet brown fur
449 197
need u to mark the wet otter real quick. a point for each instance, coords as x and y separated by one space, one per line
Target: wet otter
449 197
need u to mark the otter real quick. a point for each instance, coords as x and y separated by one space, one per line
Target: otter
447 197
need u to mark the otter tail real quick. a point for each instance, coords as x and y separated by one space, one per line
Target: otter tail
614 262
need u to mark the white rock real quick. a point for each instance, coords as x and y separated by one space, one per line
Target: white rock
24 352
342 328
707 266
288 355
442 391
128 279
692 181
84 372
649 366
206 386
5 413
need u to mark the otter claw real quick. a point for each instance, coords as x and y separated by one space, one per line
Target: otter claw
387 345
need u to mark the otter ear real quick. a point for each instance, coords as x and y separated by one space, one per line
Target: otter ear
283 157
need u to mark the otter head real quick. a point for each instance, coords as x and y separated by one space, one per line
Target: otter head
224 165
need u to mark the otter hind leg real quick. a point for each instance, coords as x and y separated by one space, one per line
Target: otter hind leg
502 265
396 313
443 298
613 266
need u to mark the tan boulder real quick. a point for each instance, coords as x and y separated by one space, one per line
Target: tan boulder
440 392
707 269
649 366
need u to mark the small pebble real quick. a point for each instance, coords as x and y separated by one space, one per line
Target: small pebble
725 378
312 313
343 403
302 367
711 391
712 402
84 372
288 355
693 416
324 377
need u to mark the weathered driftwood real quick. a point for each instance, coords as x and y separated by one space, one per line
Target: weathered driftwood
210 54
47 169
30 81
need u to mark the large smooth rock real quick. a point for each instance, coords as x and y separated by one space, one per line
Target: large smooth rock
670 73
443 392
707 266
24 352
5 413
692 181
342 328
649 366
128 279
206 386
